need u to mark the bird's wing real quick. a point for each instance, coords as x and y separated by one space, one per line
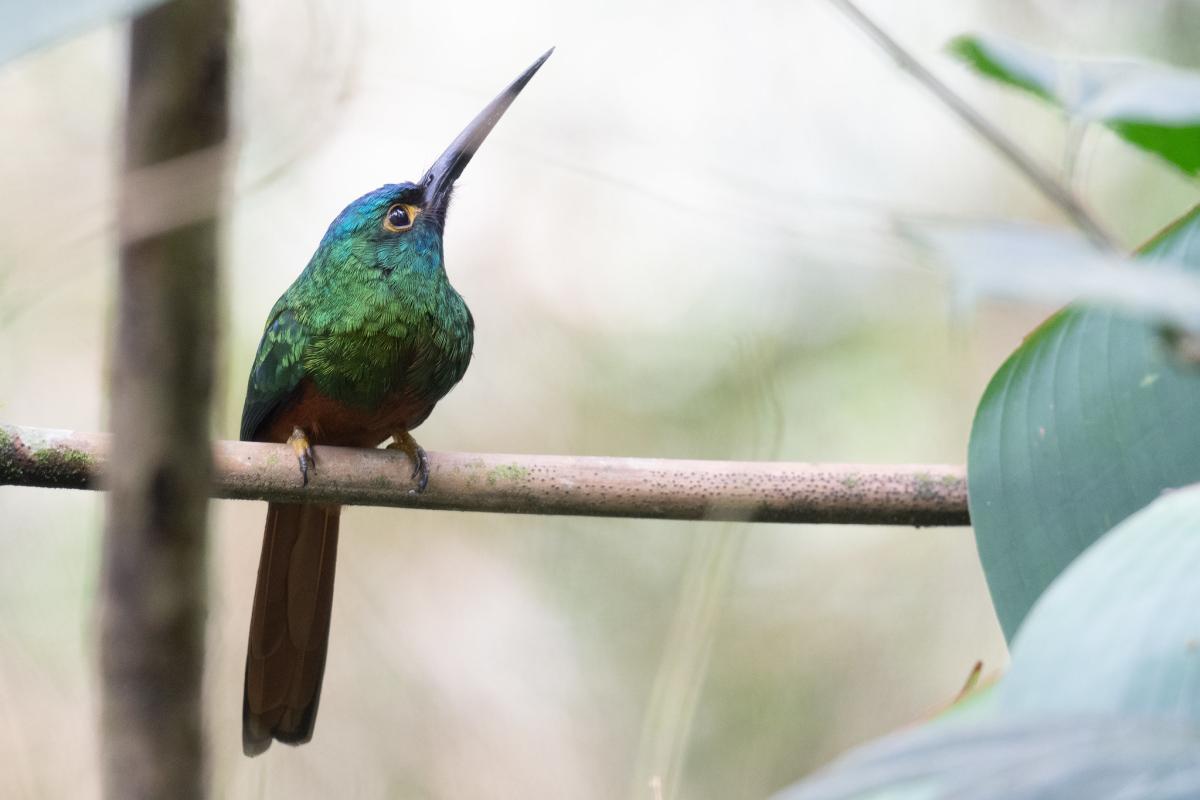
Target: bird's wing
278 370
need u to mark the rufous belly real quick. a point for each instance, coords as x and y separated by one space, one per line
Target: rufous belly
329 421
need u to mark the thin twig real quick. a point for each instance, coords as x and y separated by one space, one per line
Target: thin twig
1050 186
921 495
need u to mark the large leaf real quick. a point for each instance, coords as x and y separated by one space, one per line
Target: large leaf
1102 699
1088 421
1153 106
1036 758
27 24
1119 631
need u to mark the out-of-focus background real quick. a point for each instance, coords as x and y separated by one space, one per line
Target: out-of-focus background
680 242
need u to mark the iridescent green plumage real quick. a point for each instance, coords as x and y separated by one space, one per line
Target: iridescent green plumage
360 348
372 314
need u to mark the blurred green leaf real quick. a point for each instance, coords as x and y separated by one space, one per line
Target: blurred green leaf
1118 632
1102 699
1098 758
1053 267
28 24
1152 106
1008 62
1087 422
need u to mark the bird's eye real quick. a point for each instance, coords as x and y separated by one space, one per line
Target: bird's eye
400 217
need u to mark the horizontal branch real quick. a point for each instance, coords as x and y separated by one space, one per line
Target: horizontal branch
922 495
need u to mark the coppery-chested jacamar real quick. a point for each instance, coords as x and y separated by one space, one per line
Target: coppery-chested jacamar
360 348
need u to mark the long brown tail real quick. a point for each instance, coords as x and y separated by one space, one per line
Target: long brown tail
289 627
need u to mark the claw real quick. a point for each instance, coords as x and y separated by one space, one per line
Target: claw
405 443
420 471
299 442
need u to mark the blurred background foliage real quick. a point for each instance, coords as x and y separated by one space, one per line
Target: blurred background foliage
681 242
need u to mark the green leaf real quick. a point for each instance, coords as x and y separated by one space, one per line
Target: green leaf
1119 631
1152 106
1087 422
1102 699
1097 758
28 24
1050 266
1009 63
1179 145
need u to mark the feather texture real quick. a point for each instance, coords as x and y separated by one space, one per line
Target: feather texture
289 626
363 344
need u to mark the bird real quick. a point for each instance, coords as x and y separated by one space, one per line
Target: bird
359 349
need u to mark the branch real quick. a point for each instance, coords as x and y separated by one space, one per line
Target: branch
922 495
1049 186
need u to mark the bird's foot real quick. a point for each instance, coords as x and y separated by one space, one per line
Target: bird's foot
299 442
405 443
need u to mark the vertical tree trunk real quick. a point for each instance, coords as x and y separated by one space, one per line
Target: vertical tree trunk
153 583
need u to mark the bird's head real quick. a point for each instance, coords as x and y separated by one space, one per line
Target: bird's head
401 224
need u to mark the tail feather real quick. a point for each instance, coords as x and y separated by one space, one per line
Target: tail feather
289 626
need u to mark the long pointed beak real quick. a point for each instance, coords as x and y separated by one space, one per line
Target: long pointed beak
439 180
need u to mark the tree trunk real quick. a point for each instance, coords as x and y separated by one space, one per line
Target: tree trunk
153 583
